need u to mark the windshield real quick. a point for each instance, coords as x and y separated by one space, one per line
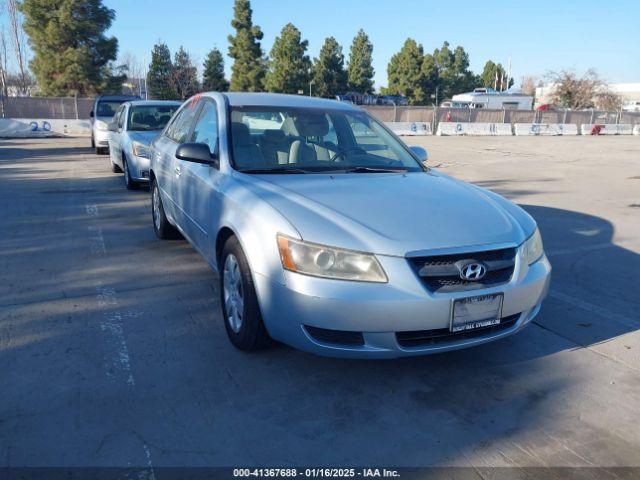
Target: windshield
301 140
108 108
150 117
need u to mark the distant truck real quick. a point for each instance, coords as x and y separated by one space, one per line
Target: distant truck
631 106
492 99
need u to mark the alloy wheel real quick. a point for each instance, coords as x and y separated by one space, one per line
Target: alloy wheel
156 207
233 294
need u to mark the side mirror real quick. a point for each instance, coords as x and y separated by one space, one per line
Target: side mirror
112 127
197 153
91 114
421 153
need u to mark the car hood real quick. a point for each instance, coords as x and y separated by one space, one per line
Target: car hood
392 214
144 138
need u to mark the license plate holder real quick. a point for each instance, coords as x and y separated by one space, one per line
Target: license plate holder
472 313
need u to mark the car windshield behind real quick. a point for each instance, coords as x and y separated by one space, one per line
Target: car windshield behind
150 117
303 140
107 108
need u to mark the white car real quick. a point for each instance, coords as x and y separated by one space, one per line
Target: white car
104 108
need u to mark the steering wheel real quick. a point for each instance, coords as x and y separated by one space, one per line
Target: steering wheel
342 153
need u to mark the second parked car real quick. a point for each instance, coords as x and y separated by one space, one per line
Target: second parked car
134 126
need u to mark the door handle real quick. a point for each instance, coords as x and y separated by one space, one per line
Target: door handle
178 171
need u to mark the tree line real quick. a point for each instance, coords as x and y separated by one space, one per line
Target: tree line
421 78
72 55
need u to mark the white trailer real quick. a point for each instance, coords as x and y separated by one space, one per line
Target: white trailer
492 99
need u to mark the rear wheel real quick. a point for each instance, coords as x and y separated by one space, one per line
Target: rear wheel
240 307
164 230
129 182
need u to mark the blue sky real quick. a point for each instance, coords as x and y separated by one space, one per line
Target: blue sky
539 35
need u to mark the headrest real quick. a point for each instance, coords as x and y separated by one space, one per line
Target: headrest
274 136
311 125
241 134
136 118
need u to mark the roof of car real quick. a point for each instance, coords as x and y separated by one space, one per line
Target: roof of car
237 99
142 103
116 97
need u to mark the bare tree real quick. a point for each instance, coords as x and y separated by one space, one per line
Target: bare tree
3 62
19 42
135 73
579 93
528 85
608 100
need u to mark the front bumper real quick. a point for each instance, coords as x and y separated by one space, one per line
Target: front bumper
138 168
381 311
101 137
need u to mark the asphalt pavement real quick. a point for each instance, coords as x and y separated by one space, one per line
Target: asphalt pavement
113 351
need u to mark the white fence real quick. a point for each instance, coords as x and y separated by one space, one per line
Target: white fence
410 128
546 129
607 129
38 127
466 128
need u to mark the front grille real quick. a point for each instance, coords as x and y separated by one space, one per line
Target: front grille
425 338
336 337
440 273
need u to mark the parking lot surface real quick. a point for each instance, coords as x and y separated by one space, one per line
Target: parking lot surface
113 351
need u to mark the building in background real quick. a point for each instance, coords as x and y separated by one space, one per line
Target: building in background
628 92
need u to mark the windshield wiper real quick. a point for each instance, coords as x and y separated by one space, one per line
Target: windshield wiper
275 170
374 170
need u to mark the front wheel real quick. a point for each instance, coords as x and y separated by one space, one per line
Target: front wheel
240 307
164 230
129 182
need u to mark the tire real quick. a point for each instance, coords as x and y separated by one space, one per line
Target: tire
164 230
239 302
102 150
129 182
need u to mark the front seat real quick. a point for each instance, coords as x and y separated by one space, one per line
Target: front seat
246 154
307 125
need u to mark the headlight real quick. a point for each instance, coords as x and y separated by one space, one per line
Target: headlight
101 125
533 249
140 150
329 262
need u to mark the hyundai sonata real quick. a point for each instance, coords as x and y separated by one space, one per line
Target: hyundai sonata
331 235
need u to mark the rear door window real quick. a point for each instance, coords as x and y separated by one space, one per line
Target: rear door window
206 128
181 125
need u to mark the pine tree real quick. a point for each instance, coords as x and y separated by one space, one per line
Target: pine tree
494 76
71 50
213 76
289 66
405 73
360 70
159 76
329 75
249 67
454 75
184 75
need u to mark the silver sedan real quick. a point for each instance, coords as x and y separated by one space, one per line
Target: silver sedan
331 235
133 127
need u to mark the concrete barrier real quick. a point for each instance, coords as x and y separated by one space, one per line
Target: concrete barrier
42 127
465 128
636 129
547 129
606 129
410 128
